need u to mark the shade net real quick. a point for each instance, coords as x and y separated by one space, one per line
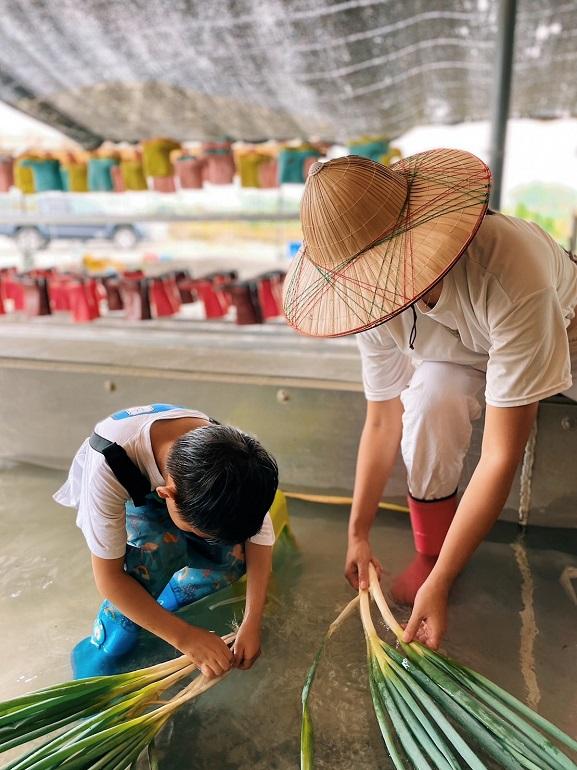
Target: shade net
260 69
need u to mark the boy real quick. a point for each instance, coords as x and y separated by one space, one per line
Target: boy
173 507
455 307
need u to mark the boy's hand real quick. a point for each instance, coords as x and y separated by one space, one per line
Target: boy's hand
428 621
246 647
207 650
359 556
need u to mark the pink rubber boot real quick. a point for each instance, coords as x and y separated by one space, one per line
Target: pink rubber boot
430 522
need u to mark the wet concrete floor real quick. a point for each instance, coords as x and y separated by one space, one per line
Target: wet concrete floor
512 617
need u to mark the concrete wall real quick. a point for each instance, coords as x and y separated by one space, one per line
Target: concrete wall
304 401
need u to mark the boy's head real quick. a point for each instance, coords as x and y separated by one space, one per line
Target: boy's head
222 483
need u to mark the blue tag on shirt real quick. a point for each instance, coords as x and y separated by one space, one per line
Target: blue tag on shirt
134 411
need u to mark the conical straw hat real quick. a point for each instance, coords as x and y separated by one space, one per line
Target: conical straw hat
377 238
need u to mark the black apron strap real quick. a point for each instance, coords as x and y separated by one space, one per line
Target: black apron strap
126 472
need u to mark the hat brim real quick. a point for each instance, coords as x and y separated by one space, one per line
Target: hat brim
448 193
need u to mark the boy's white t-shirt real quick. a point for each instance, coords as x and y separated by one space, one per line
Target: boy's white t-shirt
504 309
94 490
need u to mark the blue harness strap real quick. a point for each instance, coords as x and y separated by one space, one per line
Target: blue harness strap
126 472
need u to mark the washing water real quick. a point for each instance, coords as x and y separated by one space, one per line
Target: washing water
513 616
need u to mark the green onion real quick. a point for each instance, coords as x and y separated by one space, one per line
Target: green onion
37 714
307 732
500 720
387 728
436 713
500 731
117 717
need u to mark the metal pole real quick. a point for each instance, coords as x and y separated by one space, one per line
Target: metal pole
502 94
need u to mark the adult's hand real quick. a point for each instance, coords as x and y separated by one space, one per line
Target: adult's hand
359 556
428 621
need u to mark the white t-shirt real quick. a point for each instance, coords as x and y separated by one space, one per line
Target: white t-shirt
94 490
504 309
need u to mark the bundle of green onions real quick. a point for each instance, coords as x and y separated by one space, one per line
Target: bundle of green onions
435 713
104 723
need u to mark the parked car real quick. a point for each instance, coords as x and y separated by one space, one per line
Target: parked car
30 238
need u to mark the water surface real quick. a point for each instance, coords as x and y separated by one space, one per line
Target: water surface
252 720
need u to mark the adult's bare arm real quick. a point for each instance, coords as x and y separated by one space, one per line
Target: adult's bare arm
505 435
378 448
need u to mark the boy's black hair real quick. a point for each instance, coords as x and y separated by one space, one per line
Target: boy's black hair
225 482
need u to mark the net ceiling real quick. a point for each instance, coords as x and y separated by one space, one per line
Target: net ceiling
259 69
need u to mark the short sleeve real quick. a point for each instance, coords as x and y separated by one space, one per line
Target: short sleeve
266 534
386 370
529 354
100 499
102 518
